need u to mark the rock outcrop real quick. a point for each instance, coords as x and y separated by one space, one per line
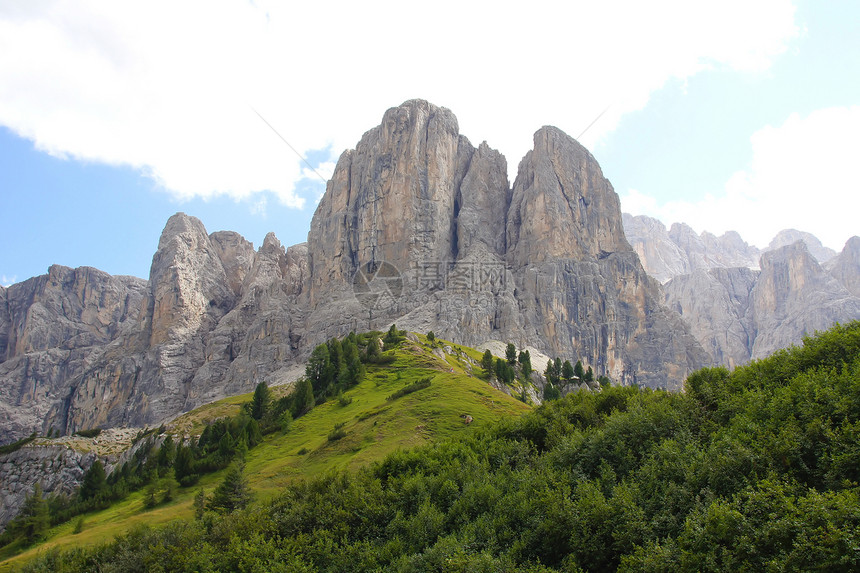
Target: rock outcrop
738 314
417 226
59 470
789 236
545 262
845 267
659 254
680 250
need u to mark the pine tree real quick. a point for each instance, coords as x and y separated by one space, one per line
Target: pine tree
318 370
167 452
261 402
525 361
549 373
354 369
233 493
487 362
94 481
511 353
34 518
303 398
199 504
579 371
567 372
589 375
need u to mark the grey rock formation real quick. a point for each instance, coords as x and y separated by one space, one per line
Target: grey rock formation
717 304
54 327
416 194
789 236
680 251
794 296
845 267
659 254
58 469
738 314
544 262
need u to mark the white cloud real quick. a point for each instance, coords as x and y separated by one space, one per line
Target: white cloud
168 86
8 281
803 175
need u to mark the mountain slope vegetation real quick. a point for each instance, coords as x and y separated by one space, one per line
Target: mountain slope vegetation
754 469
347 427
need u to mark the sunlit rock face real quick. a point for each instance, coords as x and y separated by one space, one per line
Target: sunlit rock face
542 262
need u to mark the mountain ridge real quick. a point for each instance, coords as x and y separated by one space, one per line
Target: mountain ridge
542 262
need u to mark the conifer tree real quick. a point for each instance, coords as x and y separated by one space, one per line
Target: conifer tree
549 373
233 493
33 518
511 353
525 361
303 398
318 370
567 372
261 401
487 362
579 371
94 481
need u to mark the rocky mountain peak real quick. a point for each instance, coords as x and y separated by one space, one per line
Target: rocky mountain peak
562 206
788 236
188 285
845 267
543 263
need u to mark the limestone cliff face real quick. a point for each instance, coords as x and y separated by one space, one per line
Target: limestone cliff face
582 286
660 256
390 199
681 251
789 236
740 314
845 267
53 327
82 349
794 295
717 304
543 262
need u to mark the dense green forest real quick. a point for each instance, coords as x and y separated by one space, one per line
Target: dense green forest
755 469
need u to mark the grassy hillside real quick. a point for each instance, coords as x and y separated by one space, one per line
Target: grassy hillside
374 427
751 470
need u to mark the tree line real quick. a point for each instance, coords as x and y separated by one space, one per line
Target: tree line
161 467
755 469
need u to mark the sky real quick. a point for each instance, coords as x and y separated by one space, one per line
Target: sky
732 115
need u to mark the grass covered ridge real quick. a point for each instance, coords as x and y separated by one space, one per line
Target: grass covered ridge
751 470
373 428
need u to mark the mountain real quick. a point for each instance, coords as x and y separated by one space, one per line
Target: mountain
788 236
373 421
845 267
738 314
416 226
680 250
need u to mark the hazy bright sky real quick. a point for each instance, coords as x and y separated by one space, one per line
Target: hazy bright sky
737 114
